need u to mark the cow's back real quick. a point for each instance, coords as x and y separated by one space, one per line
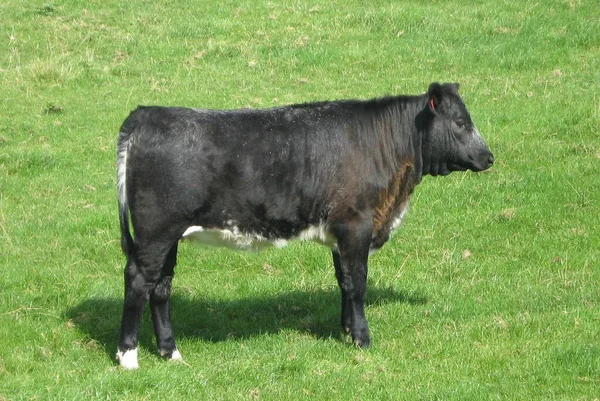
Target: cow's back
271 171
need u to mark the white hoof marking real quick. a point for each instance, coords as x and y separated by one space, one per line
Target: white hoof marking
128 359
176 356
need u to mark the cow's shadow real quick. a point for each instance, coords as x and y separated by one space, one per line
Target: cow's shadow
315 312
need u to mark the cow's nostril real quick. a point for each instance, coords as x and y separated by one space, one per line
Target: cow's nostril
491 160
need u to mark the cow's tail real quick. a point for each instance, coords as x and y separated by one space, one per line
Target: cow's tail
123 146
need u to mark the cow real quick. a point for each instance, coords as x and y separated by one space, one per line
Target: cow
340 173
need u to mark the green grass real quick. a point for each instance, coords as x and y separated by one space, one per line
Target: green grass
489 291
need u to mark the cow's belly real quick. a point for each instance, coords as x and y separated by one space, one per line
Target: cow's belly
232 237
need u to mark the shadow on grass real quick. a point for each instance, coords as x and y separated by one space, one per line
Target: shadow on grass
315 312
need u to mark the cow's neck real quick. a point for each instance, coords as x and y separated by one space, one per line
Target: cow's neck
407 133
422 119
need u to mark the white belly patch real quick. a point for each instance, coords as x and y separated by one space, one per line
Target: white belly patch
233 238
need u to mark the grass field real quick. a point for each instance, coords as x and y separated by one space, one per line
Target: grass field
490 291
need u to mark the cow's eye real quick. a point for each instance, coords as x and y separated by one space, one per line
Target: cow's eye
461 124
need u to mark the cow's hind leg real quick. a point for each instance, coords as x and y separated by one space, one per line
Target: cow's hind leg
142 274
161 311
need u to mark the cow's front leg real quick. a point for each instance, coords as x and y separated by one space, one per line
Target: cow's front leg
346 306
350 260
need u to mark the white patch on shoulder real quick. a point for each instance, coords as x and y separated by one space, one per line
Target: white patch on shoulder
233 238
373 251
128 359
398 220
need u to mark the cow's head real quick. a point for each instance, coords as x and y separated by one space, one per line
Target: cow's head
451 141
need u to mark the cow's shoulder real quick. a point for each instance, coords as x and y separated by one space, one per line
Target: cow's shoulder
392 204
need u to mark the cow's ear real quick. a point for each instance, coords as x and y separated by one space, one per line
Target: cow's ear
434 95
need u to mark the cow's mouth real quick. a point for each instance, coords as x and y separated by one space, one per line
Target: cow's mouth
483 163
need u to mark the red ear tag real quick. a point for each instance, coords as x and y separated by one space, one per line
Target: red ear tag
432 103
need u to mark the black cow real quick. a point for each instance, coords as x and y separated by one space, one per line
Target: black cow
340 173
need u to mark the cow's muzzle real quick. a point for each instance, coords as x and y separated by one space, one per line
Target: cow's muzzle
483 161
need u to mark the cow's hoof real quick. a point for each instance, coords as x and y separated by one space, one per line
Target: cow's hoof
128 360
362 339
364 343
176 356
173 355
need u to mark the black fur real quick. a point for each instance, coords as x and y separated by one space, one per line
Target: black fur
350 165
